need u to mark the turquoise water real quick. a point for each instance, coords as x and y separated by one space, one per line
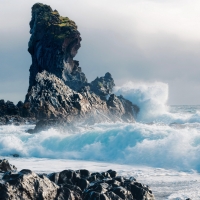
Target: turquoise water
163 136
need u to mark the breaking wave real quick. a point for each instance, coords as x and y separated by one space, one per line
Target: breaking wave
152 100
163 136
138 144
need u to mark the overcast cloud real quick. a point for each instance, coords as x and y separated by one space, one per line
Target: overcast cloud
137 40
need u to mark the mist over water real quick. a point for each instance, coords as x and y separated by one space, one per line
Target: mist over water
152 101
150 97
163 136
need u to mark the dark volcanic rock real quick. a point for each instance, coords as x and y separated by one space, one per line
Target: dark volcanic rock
54 42
58 92
50 98
15 114
5 166
54 103
8 108
69 184
103 86
27 185
16 120
58 89
122 108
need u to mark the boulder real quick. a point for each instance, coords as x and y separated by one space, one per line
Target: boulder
5 166
70 184
27 185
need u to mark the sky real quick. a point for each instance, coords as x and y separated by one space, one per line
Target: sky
134 40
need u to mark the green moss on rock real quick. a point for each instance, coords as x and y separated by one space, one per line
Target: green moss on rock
49 23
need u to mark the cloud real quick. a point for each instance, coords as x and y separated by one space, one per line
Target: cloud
134 40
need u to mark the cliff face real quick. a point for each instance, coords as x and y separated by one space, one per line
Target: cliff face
57 86
15 114
54 42
51 98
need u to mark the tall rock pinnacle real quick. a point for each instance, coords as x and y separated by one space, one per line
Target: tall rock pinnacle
58 89
54 42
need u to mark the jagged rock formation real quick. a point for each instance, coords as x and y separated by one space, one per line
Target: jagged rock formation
15 114
27 185
69 184
103 86
58 89
5 166
50 99
54 42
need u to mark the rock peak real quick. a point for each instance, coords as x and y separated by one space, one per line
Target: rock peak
53 44
58 89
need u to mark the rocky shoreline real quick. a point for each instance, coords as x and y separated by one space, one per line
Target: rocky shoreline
69 184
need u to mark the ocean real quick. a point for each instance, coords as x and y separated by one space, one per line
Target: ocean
160 149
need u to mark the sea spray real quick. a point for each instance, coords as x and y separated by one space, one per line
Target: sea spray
152 101
150 97
163 136
136 144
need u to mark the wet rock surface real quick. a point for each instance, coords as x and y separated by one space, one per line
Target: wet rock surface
53 44
5 166
15 114
103 86
27 185
72 184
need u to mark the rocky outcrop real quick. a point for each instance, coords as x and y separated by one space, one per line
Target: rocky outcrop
58 89
103 86
69 184
5 166
27 185
54 42
51 99
15 114
122 108
8 108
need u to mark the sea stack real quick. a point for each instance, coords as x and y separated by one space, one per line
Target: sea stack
58 89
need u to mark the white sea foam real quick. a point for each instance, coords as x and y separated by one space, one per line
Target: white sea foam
152 145
163 136
150 97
